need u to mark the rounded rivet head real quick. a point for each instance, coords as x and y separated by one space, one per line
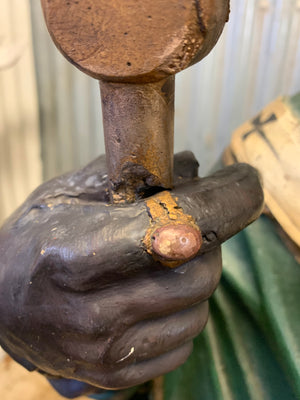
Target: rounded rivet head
176 242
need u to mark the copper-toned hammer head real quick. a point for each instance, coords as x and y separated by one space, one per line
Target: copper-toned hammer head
135 40
134 47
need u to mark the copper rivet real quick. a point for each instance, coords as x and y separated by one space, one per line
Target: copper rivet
176 242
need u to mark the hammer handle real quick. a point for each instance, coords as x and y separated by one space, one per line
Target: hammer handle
138 121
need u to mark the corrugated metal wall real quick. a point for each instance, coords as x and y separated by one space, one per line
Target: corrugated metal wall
257 59
20 163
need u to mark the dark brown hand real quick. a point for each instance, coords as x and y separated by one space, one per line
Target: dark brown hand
80 295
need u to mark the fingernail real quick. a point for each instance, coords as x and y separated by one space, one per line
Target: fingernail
176 242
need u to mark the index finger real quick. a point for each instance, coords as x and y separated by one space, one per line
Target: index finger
203 213
116 242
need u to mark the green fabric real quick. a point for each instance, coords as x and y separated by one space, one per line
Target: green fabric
294 103
250 348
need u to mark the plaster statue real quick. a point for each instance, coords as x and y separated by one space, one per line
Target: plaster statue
106 272
82 298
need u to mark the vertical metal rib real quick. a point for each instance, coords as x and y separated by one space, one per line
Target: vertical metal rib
257 59
20 164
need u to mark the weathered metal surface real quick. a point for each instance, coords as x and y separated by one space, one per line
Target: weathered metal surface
169 223
256 59
137 40
140 45
176 242
20 163
138 122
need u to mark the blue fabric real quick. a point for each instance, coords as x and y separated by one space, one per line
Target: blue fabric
109 395
71 388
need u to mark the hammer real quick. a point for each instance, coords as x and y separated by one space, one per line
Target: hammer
135 48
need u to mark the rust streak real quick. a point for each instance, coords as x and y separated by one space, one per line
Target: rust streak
168 226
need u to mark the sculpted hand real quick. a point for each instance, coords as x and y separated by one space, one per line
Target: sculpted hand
83 295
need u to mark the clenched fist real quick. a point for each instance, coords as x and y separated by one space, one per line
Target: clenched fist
83 295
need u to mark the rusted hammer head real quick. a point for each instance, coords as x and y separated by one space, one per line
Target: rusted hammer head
134 47
135 40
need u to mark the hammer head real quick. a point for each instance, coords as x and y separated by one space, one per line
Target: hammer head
135 40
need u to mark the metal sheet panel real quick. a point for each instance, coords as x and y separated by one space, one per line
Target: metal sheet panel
20 163
257 59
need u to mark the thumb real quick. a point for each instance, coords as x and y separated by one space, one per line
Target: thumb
222 204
